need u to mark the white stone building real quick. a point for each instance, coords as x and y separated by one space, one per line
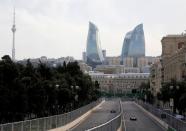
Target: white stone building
119 83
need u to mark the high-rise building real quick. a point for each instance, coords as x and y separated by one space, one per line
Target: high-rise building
134 44
93 51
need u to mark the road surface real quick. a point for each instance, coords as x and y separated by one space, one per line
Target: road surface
99 116
143 122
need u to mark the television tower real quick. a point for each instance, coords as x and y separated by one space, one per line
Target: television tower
13 31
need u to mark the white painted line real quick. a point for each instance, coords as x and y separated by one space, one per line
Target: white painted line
124 124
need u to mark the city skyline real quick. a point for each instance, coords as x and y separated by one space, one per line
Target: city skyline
46 28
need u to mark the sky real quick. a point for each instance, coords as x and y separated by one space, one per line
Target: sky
59 28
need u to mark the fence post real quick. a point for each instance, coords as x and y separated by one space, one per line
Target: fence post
12 127
38 125
56 121
44 124
22 125
30 125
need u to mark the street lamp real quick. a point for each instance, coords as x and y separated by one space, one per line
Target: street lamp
77 87
76 96
171 87
57 86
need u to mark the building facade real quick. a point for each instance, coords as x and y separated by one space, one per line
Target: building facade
120 83
156 77
128 61
142 62
84 67
174 57
115 60
116 69
50 62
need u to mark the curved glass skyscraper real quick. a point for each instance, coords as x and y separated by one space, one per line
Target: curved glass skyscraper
134 44
93 50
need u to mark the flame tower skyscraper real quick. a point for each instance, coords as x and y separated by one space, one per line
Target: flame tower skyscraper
134 44
93 51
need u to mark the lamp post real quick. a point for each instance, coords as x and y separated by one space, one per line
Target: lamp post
75 88
57 88
76 96
172 99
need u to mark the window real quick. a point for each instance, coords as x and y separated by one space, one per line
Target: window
180 45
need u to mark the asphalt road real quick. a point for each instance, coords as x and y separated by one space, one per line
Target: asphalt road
143 122
99 116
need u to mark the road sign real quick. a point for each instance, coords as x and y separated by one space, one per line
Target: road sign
171 102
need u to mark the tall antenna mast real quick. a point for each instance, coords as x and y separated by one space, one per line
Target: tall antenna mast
13 31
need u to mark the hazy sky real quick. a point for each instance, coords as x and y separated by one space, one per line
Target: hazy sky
56 28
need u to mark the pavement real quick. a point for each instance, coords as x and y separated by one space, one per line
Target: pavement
143 123
99 116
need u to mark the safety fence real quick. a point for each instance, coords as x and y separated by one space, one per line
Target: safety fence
172 121
111 125
46 123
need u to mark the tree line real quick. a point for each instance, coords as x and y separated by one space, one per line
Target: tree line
28 92
143 92
177 92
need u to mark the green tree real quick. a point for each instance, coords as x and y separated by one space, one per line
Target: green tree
182 105
174 90
30 92
145 93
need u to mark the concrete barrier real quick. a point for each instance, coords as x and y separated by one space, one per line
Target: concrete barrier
159 121
120 128
77 121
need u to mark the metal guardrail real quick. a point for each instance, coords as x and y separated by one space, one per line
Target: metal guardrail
172 121
46 123
111 125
